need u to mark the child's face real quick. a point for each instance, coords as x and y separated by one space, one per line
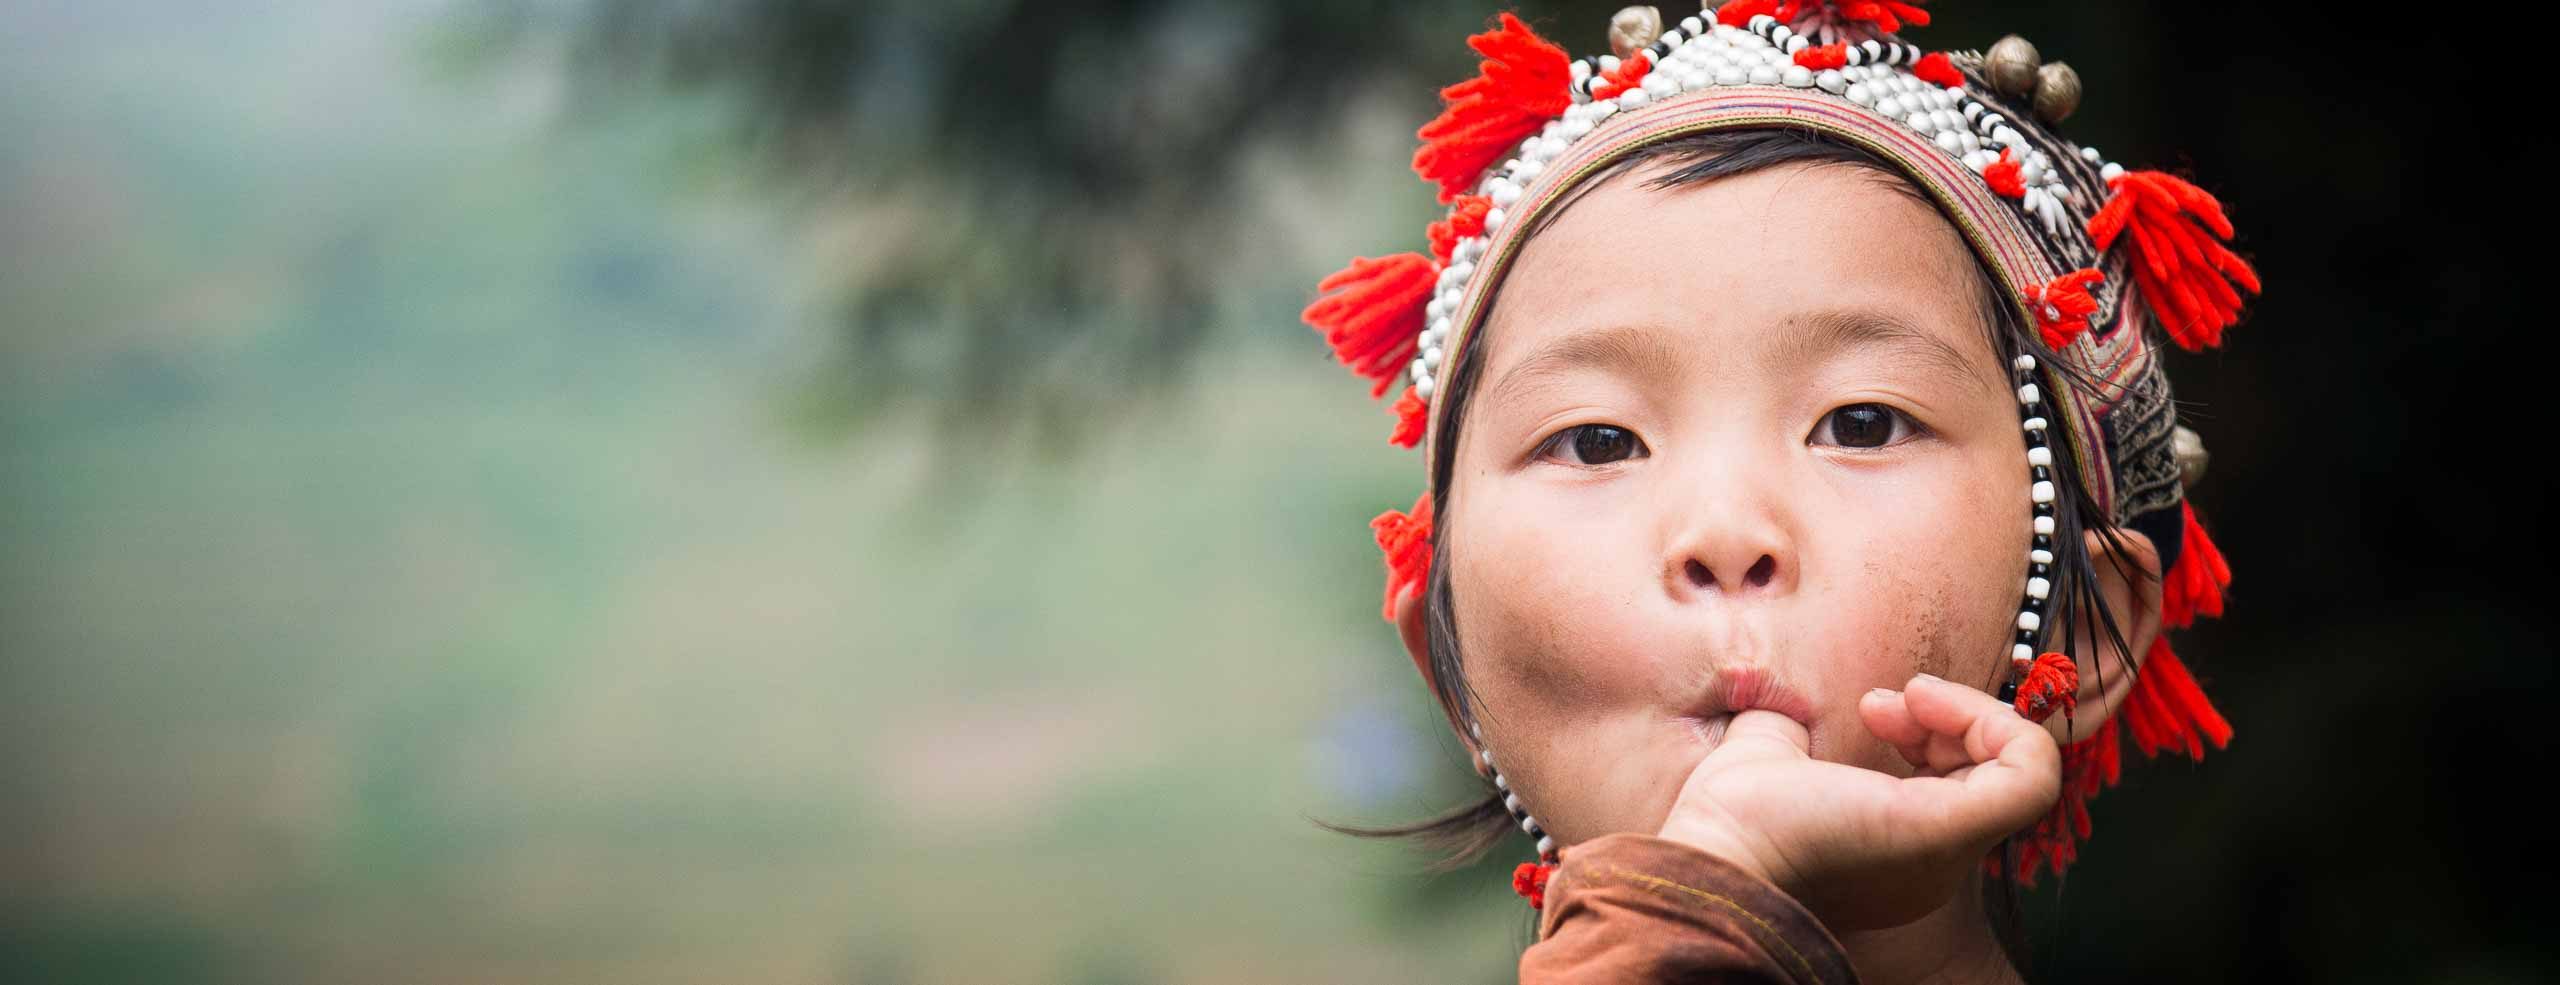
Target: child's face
1692 464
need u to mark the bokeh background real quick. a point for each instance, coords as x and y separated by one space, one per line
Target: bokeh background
799 491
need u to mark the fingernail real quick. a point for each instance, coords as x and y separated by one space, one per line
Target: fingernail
1884 692
1931 677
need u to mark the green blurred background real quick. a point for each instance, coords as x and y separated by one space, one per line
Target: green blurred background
632 491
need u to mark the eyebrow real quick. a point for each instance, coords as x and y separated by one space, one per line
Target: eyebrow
1827 332
1627 349
1636 351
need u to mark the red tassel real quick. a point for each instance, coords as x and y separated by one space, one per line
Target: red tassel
1820 57
2004 175
1372 314
1628 75
1935 69
1530 880
1740 12
2088 767
2063 306
2175 715
2179 259
1411 418
2052 684
1466 218
2194 587
1405 538
1523 82
1888 16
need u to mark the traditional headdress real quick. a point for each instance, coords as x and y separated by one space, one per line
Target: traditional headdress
2097 257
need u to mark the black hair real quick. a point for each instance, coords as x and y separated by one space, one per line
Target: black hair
1467 832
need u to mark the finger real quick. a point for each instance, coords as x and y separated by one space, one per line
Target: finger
1978 722
1889 719
1757 733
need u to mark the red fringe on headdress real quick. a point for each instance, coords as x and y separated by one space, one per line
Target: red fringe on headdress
1466 218
2063 306
2006 176
1523 82
1629 74
1411 418
1405 538
1888 16
1822 56
2052 684
1371 313
2195 588
2186 274
2166 711
1935 68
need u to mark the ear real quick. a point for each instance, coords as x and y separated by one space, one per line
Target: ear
2130 583
1414 626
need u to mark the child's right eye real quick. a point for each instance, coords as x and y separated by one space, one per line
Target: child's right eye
1594 444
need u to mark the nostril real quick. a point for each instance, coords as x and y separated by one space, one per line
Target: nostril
1761 571
1699 575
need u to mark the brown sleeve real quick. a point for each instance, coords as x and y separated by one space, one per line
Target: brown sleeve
1636 908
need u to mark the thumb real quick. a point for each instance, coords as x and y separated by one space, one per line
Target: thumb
1760 734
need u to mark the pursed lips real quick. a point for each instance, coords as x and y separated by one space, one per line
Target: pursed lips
1739 688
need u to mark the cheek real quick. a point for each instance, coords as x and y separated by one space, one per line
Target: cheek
1547 583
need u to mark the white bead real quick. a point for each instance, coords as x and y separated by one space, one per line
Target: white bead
2038 588
2029 621
2111 172
2034 424
1493 219
2006 137
1575 128
2044 525
1633 98
1890 106
2089 154
1832 81
1797 77
2041 492
1920 120
1693 26
1502 191
1766 75
1546 846
1512 801
1527 169
1487 755
1608 63
1470 249
2040 556
1861 95
1422 388
2040 455
2027 394
1431 359
1660 84
1732 75
2022 652
2025 361
1434 310
1950 141
1417 370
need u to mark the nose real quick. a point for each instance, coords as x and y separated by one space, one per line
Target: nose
1731 541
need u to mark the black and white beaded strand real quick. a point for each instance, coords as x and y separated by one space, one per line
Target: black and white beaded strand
2031 612
1511 801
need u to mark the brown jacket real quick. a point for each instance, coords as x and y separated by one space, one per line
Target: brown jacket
1628 908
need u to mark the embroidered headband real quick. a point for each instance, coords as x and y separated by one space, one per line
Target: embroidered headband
2098 258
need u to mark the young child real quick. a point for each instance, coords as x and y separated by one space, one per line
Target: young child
1805 497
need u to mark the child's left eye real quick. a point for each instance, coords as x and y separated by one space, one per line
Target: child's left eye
1864 426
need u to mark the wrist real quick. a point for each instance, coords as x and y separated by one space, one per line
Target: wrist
1719 840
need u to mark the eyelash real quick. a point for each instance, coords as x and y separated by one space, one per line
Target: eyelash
1907 428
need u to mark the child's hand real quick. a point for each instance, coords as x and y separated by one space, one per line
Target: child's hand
1864 849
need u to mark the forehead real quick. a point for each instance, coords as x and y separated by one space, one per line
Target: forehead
1730 264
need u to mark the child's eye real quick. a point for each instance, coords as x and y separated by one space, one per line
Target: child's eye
1594 444
1864 426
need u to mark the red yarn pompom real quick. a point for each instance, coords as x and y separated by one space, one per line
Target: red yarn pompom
1523 82
1823 56
1405 538
1934 68
1740 12
2177 233
2004 175
1530 880
1888 16
2063 306
1466 218
1411 418
1629 74
1371 313
2194 587
2053 683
